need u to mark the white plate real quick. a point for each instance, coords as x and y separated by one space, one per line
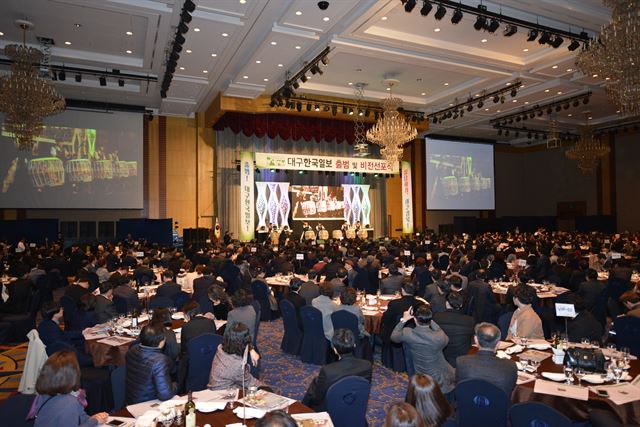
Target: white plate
387 297
554 376
208 407
540 346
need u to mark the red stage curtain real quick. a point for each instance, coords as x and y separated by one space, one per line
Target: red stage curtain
288 127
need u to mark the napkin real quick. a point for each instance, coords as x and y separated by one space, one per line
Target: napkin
554 376
515 349
250 412
502 355
147 419
593 378
177 315
540 346
210 406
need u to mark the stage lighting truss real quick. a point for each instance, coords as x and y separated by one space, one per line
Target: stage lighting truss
458 109
175 46
491 21
293 81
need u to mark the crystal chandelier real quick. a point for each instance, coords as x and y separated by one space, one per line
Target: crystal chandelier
360 146
615 55
587 151
25 98
391 131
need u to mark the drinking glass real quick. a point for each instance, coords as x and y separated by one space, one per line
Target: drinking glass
535 364
617 367
595 344
579 374
525 364
585 342
524 341
568 374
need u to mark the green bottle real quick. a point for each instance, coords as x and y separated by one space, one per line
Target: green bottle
190 412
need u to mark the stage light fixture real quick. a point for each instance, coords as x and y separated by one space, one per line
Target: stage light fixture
455 115
566 106
575 103
533 34
103 81
544 38
186 16
177 47
461 113
183 28
304 78
502 99
511 120
496 99
434 120
180 39
295 85
532 115
316 70
324 60
540 113
121 82
549 110
189 6
481 21
376 115
366 112
351 111
440 12
514 92
518 118
62 76
317 107
469 108
510 30
78 78
585 101
299 106
493 25
456 17
480 104
557 41
409 5
334 110
524 117
573 45
344 109
426 8
308 106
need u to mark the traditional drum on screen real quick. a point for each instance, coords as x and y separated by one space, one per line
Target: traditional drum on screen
362 233
122 169
464 182
309 208
323 235
103 169
133 168
309 235
450 185
336 234
79 170
351 233
46 172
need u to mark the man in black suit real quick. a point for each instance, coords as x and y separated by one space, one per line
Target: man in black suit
584 325
294 297
396 308
457 326
169 288
19 291
344 344
105 308
484 365
485 306
202 284
195 324
590 290
310 289
143 274
78 289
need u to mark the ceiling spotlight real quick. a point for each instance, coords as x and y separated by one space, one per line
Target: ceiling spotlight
549 110
493 25
426 8
295 85
78 78
557 41
434 120
186 16
585 101
299 106
514 92
533 34
121 82
540 113
510 30
469 107
496 99
532 115
304 78
334 110
440 12
573 45
189 6
103 81
480 104
183 28
480 22
62 76
324 60
316 70
575 103
502 99
566 106
544 38
457 16
308 106
351 111
455 115
409 5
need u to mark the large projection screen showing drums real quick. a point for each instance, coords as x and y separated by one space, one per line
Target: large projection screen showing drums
81 160
460 175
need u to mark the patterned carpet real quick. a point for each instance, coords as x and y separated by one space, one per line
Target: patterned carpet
11 365
288 376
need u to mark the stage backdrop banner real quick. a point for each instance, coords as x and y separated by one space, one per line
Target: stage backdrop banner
247 227
324 163
407 202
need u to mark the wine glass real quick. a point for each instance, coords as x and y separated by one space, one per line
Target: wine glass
568 374
625 356
524 341
617 368
535 364
525 364
579 374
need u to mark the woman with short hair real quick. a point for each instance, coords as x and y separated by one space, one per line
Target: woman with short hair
227 368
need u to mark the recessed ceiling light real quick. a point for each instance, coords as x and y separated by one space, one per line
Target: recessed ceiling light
498 111
280 65
350 83
298 13
243 1
388 88
437 30
477 95
129 33
594 76
182 68
266 80
197 30
1 34
205 71
224 34
189 51
451 104
554 67
77 25
446 84
546 90
515 100
325 19
618 111
569 70
526 102
423 93
298 47
67 43
508 84
486 109
559 92
258 62
569 115
245 77
384 18
483 40
607 78
525 50
214 54
590 118
274 43
128 51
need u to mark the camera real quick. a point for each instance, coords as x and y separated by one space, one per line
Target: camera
323 5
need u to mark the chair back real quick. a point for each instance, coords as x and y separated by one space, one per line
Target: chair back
257 307
314 344
292 338
118 386
342 319
43 284
627 329
13 411
70 308
481 400
408 359
503 323
160 302
536 414
120 304
180 299
347 401
201 351
260 292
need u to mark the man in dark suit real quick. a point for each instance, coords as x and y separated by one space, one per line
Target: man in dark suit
393 282
484 365
584 325
457 326
395 309
169 288
310 289
202 284
484 302
293 295
19 291
78 289
195 324
436 293
344 344
143 274
105 308
590 290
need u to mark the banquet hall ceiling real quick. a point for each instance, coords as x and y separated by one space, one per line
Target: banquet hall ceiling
245 48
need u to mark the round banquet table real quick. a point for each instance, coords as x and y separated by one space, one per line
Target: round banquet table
226 416
373 314
546 297
576 410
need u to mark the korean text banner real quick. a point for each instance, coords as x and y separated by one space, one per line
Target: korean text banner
324 163
247 227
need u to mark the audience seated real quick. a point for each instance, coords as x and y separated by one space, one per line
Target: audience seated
162 316
309 289
228 368
195 324
348 298
393 282
243 311
169 288
85 316
344 344
220 301
148 374
105 308
484 365
436 293
403 415
591 289
396 308
525 323
325 304
55 338
426 397
60 401
19 292
457 326
584 325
